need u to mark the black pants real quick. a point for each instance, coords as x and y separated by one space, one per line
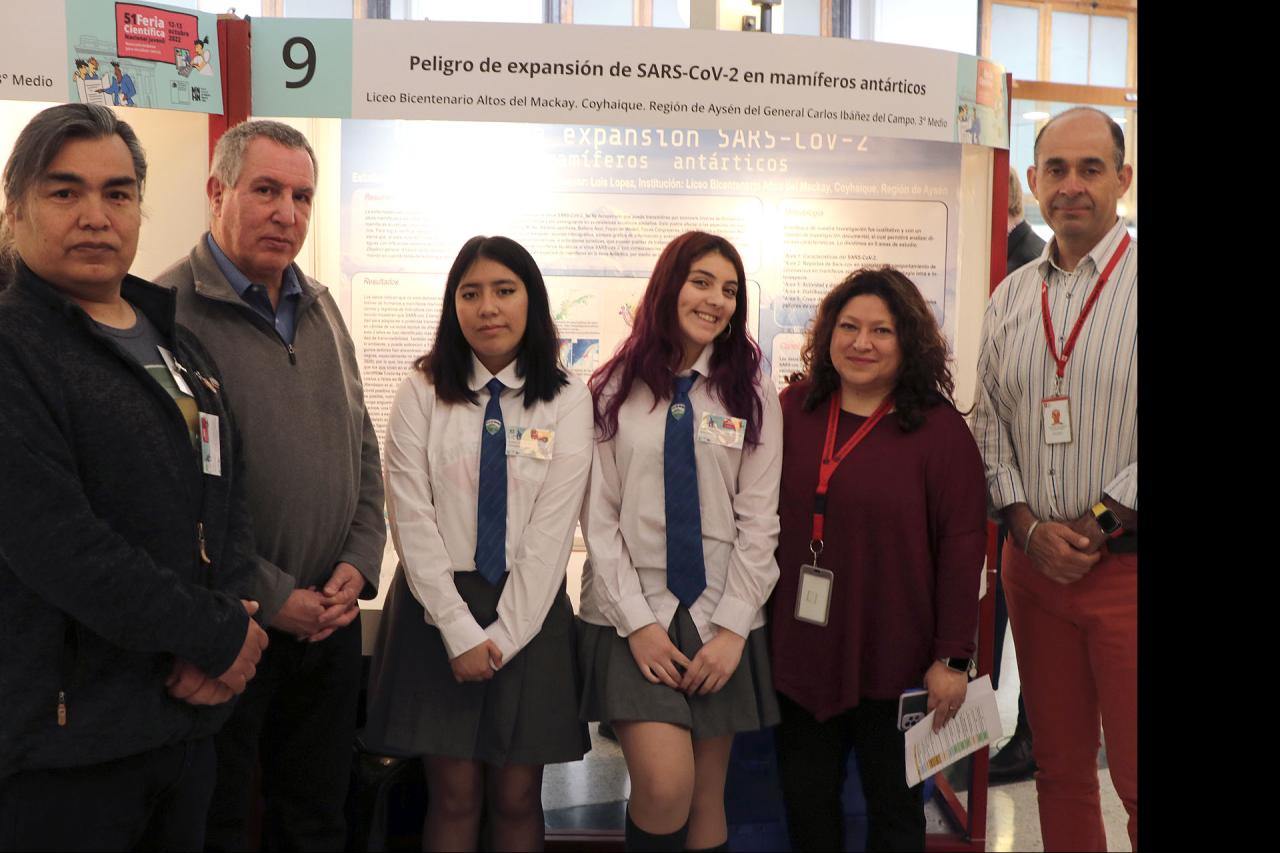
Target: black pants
812 758
1002 623
297 719
155 800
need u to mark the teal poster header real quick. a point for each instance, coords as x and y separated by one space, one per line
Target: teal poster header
302 67
143 55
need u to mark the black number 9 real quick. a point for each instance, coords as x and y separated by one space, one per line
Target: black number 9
308 63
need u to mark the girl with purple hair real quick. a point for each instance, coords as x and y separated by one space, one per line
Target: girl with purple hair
681 524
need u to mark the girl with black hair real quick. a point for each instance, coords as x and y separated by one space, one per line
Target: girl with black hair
488 449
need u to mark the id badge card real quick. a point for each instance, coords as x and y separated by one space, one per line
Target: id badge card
172 365
533 442
210 445
722 430
813 599
1057 420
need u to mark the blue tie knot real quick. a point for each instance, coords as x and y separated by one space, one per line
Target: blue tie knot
495 387
684 383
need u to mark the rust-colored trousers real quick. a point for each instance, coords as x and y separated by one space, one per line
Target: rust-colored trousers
1077 648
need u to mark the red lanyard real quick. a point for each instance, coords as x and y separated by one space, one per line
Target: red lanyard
831 460
1061 360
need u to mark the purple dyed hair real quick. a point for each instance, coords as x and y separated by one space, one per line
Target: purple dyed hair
652 353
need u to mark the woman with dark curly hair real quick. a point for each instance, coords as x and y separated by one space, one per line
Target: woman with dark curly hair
883 532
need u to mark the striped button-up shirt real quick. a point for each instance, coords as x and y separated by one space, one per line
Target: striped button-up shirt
1016 372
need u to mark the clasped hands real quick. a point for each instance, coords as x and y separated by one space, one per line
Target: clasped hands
189 684
1066 551
308 614
313 614
662 663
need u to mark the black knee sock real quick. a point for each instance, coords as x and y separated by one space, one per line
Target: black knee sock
722 847
646 842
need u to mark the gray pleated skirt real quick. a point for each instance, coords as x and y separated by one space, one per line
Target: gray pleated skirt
526 714
614 689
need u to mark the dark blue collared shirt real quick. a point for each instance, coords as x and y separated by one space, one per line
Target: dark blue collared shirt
284 318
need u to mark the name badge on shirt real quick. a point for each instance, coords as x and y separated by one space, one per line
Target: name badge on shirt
174 372
210 445
722 430
1057 420
813 599
533 442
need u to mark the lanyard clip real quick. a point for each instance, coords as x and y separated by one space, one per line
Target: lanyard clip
815 548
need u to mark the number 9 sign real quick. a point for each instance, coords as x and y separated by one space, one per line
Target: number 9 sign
301 67
309 63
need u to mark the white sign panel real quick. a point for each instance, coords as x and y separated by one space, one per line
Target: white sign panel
33 47
623 77
660 78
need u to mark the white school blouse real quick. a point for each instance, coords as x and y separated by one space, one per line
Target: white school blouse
432 480
624 582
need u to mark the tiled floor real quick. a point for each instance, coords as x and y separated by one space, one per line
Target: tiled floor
1013 821
592 792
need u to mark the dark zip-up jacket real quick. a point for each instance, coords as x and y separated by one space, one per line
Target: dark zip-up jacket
312 471
1025 246
116 552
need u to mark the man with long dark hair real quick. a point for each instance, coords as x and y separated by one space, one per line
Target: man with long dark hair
314 485
124 541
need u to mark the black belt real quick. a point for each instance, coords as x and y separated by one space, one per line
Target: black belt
1126 543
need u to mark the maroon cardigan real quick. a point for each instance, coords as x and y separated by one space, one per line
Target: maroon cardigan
905 538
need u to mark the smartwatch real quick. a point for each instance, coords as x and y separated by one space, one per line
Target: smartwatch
957 664
1107 520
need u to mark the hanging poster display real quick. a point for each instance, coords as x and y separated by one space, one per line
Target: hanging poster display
595 206
113 53
595 146
143 55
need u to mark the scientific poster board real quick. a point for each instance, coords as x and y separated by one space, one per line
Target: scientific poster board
596 205
595 146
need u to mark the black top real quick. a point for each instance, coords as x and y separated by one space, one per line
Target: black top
1024 247
101 512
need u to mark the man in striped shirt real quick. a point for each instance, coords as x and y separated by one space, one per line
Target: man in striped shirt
1057 422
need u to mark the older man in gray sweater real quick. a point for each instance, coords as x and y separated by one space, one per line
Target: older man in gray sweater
314 485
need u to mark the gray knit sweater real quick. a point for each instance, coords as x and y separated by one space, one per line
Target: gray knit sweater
312 470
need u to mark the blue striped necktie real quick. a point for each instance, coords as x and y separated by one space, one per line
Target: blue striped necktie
491 502
686 573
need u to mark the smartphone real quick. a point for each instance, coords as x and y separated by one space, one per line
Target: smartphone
912 706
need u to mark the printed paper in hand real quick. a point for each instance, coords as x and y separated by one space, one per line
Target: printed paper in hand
976 726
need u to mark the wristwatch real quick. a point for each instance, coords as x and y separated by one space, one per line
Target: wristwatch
1107 520
957 664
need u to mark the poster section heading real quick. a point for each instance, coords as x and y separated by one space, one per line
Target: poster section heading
618 76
